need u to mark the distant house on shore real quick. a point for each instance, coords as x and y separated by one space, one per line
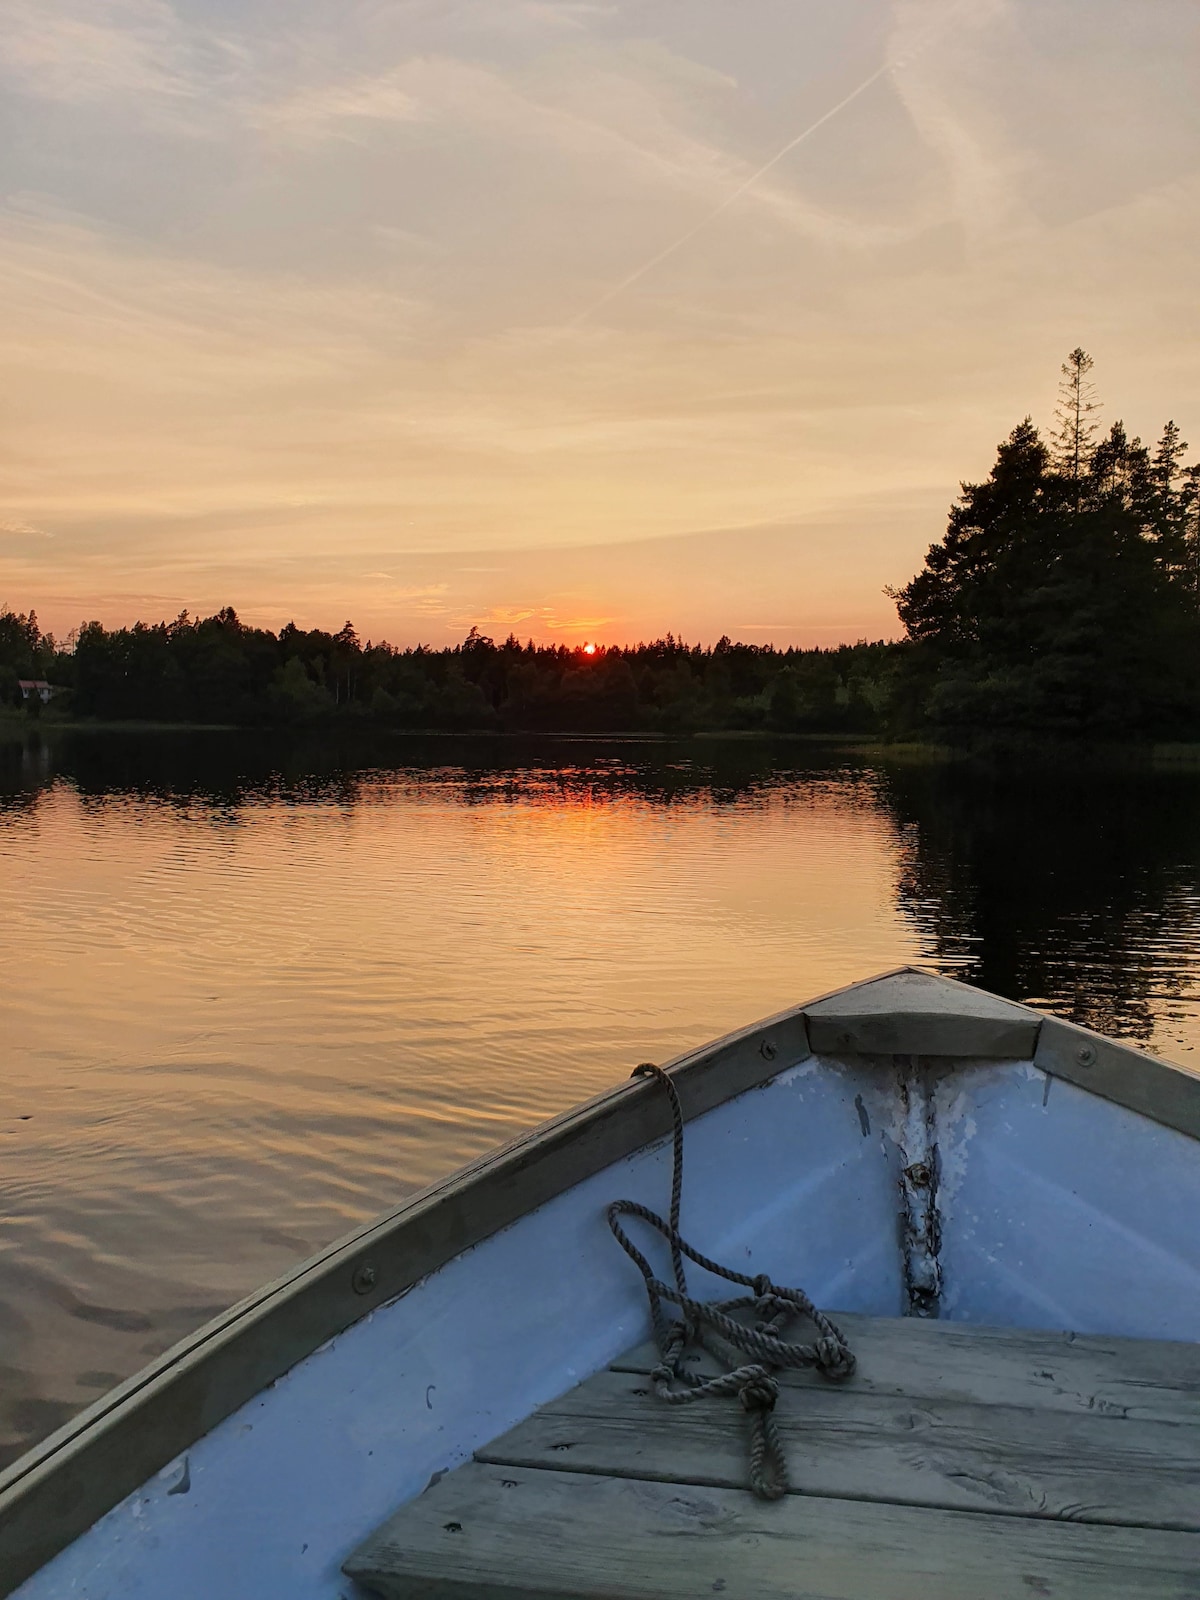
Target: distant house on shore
31 687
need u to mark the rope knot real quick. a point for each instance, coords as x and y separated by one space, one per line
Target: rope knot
834 1358
759 1392
695 1321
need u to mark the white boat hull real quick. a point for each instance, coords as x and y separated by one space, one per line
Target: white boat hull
889 1182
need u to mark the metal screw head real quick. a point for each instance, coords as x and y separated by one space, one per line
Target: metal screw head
1086 1055
364 1278
767 1050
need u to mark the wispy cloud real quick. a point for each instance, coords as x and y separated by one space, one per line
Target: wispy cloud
744 187
344 109
137 57
94 51
76 297
424 599
17 528
630 114
946 52
518 19
544 618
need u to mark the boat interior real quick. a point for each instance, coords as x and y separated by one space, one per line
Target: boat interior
998 1208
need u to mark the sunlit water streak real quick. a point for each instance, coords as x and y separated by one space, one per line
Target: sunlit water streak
245 1012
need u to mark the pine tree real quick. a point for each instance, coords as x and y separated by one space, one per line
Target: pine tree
1063 597
1077 406
990 545
1188 499
1168 456
1170 506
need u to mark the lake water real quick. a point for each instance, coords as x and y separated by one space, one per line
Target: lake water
254 995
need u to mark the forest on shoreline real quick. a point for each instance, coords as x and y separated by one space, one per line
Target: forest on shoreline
1063 600
216 670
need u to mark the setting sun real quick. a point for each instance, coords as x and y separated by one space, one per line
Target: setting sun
589 649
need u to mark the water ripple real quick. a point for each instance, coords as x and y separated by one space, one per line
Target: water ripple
255 1006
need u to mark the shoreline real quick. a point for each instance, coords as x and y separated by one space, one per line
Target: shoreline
19 729
19 724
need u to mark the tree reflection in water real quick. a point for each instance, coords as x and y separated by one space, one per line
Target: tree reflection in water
1070 885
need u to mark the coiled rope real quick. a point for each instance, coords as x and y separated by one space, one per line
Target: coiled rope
753 1382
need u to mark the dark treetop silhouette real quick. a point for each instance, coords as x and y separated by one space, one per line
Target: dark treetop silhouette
1065 595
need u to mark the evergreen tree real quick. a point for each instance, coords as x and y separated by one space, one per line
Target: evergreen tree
1189 516
1063 595
1172 505
1077 406
984 560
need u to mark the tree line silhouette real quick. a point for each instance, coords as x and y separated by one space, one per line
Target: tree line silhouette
218 670
1063 599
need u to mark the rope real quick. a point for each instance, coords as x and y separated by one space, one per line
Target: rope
753 1382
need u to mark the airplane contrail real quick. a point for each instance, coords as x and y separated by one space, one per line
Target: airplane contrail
734 194
932 33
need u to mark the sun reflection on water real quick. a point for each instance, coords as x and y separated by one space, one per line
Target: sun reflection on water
261 995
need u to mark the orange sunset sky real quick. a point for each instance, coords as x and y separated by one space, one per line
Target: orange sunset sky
581 319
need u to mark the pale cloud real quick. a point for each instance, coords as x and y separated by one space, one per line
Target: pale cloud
342 110
520 18
628 113
946 54
545 618
103 49
578 625
94 304
134 59
16 528
509 616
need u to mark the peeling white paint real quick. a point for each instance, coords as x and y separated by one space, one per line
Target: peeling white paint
808 1068
957 1128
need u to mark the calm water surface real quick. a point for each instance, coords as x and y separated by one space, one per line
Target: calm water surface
254 995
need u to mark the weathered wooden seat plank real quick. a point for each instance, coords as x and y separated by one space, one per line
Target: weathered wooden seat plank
493 1533
959 1463
866 1447
1153 1380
